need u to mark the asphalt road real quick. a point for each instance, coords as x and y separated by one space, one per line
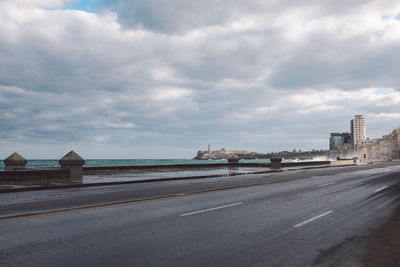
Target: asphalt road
324 217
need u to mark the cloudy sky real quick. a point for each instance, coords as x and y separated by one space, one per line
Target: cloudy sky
165 78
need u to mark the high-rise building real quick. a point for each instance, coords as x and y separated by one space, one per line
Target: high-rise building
358 131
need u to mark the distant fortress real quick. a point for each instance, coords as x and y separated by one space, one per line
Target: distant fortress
226 154
243 154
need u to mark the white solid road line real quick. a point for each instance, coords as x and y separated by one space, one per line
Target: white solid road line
380 189
327 184
313 219
216 208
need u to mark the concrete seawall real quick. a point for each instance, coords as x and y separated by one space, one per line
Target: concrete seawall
305 163
111 169
47 176
144 168
34 176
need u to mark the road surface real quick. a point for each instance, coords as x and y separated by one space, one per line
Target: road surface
323 217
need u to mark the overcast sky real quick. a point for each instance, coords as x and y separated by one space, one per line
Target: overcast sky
165 78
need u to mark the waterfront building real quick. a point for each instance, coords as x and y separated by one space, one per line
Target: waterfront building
338 143
395 140
367 150
358 131
383 147
337 140
356 144
387 147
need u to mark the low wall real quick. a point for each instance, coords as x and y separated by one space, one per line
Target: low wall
34 176
342 162
169 167
305 163
54 175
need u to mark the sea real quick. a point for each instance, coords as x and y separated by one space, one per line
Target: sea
133 175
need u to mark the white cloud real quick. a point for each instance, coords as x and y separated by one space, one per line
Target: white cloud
167 94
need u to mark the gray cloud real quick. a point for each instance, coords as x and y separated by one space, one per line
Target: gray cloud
155 82
179 16
326 62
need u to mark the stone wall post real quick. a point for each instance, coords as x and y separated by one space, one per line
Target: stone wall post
276 163
15 161
74 163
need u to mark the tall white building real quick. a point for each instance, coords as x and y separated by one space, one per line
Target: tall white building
358 131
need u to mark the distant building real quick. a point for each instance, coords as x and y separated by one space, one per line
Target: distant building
357 145
395 140
384 147
339 139
387 147
358 131
224 154
339 144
